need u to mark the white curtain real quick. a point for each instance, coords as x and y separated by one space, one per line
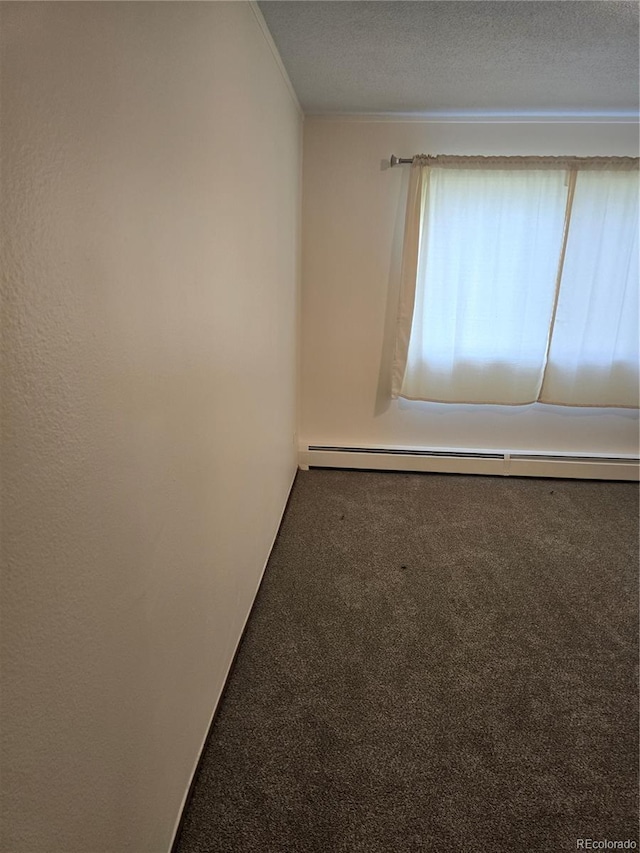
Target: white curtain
593 356
519 284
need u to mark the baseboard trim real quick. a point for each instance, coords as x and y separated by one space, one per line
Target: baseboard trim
462 461
194 775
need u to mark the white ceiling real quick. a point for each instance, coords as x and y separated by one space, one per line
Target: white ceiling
487 56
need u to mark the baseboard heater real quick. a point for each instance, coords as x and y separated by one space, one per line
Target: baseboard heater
463 461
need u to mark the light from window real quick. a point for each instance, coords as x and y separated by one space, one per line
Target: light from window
526 288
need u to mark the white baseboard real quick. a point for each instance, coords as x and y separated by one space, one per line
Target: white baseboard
467 461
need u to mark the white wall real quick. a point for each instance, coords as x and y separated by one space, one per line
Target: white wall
353 212
151 156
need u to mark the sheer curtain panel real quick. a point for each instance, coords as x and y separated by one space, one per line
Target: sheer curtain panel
520 282
593 354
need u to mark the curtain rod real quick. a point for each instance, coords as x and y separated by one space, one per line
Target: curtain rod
510 162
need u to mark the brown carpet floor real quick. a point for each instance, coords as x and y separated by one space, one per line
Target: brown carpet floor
434 663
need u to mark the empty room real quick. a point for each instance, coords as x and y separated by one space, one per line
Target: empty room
319 442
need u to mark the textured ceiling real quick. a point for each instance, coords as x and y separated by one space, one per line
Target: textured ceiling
474 55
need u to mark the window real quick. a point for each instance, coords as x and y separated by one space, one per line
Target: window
520 282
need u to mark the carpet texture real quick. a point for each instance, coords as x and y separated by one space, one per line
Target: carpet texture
433 663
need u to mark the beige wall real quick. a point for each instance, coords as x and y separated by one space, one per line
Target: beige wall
150 184
353 212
